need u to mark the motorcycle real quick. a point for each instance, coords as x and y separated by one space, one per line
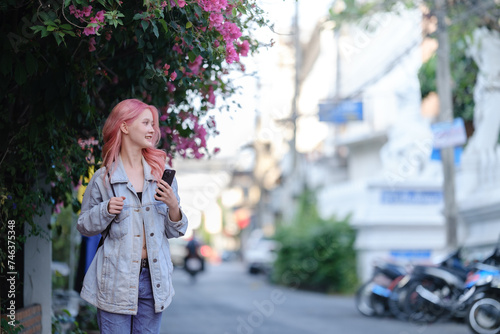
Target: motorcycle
441 295
194 262
483 315
441 282
372 296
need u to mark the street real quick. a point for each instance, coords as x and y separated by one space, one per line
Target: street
225 299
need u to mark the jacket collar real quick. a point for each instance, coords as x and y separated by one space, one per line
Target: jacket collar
120 176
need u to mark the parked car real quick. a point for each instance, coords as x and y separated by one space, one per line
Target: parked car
259 253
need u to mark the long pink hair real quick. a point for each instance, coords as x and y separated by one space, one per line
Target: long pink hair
128 111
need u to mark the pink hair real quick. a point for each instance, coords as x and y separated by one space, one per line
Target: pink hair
128 111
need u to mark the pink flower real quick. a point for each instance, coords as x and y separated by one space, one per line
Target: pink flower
231 54
173 76
100 16
230 31
170 87
177 48
163 118
195 65
216 150
212 5
108 35
92 44
165 68
87 11
211 95
181 3
244 48
216 43
164 4
215 20
89 31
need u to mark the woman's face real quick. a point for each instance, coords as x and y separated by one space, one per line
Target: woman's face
141 130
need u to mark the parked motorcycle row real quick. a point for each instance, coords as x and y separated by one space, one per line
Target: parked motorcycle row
430 293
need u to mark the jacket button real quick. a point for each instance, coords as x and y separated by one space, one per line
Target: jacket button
155 260
147 209
162 307
157 285
152 234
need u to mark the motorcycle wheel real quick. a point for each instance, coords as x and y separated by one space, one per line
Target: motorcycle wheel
366 303
420 310
484 316
193 265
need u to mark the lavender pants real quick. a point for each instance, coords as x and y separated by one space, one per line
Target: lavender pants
146 321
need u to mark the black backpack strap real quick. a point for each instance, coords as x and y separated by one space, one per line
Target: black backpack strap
105 233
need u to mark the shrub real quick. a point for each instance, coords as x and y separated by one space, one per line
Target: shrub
316 254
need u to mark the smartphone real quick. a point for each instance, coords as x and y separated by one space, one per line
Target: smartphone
168 176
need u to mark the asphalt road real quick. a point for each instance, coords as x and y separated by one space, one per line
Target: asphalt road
227 300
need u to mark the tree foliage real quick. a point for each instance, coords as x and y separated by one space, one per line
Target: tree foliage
65 64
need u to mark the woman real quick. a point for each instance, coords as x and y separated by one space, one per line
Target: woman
129 280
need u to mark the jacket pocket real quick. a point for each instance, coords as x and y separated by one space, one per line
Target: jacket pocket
120 225
161 210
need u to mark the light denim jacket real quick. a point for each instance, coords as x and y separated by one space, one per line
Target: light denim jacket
112 280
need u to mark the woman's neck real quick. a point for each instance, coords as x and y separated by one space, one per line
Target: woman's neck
131 157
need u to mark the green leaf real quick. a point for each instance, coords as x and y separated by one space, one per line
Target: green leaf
191 56
144 25
164 24
235 12
138 16
242 9
189 24
155 30
51 28
58 38
44 16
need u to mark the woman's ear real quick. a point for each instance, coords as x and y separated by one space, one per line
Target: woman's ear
124 128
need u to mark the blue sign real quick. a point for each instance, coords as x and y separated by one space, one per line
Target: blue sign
449 134
436 155
411 197
411 254
341 112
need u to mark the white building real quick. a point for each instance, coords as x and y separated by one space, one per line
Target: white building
379 168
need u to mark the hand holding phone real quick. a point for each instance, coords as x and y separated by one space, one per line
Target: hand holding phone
168 176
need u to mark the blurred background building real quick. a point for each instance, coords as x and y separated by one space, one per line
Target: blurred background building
347 120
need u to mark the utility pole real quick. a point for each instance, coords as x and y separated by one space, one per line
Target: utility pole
443 78
296 45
